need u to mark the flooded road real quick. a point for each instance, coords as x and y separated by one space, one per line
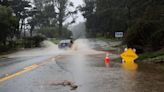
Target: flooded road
86 69
91 74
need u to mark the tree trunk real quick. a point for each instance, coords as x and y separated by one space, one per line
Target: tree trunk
4 43
60 29
129 15
31 30
60 22
21 28
24 28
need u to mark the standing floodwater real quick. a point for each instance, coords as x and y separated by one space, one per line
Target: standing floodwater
85 69
91 74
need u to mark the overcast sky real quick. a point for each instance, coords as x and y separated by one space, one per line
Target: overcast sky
80 17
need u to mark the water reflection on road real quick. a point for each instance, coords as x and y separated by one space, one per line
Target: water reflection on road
90 73
87 69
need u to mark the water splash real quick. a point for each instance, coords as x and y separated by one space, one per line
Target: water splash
83 47
48 48
78 31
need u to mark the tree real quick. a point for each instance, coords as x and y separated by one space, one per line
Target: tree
32 21
147 33
63 13
104 17
8 25
4 2
53 13
88 11
140 20
20 9
46 15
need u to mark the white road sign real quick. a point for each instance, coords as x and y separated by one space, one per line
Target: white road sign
119 34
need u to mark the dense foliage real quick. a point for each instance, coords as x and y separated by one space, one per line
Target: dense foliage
52 32
54 13
21 21
8 27
34 41
140 20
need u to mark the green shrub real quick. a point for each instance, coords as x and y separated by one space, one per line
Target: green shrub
37 40
150 55
34 41
54 40
144 36
158 40
147 32
3 48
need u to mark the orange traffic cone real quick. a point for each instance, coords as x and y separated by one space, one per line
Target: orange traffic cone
107 59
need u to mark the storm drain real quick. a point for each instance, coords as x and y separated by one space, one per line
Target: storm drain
65 83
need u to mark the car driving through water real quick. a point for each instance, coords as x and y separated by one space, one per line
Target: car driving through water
65 44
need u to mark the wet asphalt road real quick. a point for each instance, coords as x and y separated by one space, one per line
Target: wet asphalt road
11 65
88 72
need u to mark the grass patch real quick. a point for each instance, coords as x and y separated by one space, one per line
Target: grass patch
54 40
108 39
7 52
149 55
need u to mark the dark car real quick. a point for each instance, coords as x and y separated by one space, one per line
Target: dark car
65 44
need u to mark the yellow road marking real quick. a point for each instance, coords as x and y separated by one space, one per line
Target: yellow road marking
26 69
31 67
19 73
43 63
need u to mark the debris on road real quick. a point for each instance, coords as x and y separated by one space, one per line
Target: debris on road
64 83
